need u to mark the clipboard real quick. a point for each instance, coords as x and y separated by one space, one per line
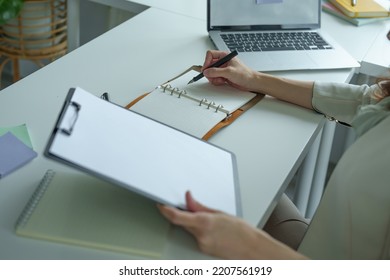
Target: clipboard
142 155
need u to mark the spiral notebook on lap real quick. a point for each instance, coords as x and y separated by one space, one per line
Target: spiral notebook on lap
142 155
81 210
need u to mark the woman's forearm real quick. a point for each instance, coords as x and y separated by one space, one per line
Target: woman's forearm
292 91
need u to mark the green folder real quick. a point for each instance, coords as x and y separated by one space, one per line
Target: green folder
82 210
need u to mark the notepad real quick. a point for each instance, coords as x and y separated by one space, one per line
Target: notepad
13 154
194 108
363 8
81 210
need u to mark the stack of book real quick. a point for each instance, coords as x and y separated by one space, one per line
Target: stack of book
360 13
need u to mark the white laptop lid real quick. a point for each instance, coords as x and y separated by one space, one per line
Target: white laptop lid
228 16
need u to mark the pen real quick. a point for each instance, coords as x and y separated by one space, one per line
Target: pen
218 63
353 2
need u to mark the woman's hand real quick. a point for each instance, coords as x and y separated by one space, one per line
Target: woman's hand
240 76
225 236
234 72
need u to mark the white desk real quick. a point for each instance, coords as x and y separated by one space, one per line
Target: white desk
270 141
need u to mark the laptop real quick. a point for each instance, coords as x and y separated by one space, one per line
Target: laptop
275 35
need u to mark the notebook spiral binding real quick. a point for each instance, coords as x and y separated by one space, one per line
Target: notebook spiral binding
37 195
183 93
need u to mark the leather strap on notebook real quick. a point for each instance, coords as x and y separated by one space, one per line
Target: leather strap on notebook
136 100
233 116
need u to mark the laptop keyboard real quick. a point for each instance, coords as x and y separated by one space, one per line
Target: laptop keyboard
275 41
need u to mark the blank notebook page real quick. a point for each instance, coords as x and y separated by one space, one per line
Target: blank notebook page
189 114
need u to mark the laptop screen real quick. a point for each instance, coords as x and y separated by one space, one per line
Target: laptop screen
262 14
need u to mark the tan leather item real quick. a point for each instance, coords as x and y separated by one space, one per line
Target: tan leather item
229 119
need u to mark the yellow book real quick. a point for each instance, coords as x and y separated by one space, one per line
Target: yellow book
363 8
82 210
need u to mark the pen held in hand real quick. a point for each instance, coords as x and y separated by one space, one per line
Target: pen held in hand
218 63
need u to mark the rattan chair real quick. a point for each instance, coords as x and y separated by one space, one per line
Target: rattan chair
38 34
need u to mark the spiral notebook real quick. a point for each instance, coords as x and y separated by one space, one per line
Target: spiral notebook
81 210
142 155
197 108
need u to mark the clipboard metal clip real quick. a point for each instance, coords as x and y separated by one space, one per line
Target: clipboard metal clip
68 131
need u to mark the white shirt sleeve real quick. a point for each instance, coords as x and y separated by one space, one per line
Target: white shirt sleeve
341 101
